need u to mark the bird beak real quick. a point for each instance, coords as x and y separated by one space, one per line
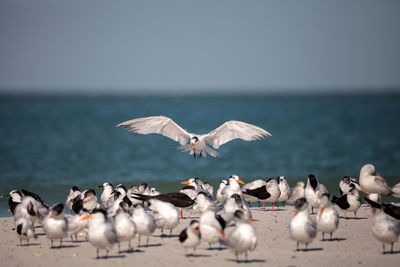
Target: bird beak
196 229
86 217
3 196
39 214
320 211
223 234
240 181
191 144
315 191
365 192
99 186
185 182
51 217
250 220
295 213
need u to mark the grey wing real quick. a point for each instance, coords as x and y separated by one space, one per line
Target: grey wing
379 180
311 229
234 129
157 124
111 234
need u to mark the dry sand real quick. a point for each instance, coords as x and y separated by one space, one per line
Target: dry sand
354 246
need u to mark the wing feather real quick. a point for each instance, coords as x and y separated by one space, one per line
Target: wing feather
157 124
232 130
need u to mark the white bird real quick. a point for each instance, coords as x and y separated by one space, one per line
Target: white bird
385 229
396 190
273 189
122 189
349 202
89 200
232 188
190 237
25 230
101 232
55 225
145 223
218 195
209 188
154 192
113 203
211 227
296 192
313 191
375 197
255 191
73 193
124 227
327 217
373 182
106 194
234 203
28 208
194 186
15 198
166 215
198 143
75 224
243 238
302 229
284 189
144 189
204 203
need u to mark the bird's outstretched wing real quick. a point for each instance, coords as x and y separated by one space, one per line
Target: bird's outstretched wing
157 124
234 129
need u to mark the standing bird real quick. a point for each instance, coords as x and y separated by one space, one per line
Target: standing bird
209 188
313 191
211 227
327 217
89 200
243 238
284 188
154 192
107 191
198 143
190 237
75 224
124 226
302 229
296 192
166 215
373 182
221 187
349 202
235 202
14 199
25 230
55 225
232 188
145 223
385 229
273 189
389 209
255 191
204 203
73 193
101 232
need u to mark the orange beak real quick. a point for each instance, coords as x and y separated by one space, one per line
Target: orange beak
240 181
223 234
365 192
185 182
320 211
196 229
250 220
295 213
315 191
86 217
191 145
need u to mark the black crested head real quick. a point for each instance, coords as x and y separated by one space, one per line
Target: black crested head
299 203
75 188
194 138
238 214
278 180
77 205
90 192
270 179
313 181
326 195
202 193
116 194
58 208
144 185
122 186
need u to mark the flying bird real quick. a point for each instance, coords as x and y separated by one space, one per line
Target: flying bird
228 131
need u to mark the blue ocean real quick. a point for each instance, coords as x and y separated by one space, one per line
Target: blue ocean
49 143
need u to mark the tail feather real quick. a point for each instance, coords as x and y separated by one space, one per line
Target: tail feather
213 153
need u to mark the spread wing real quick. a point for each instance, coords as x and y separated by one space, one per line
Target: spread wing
157 124
234 129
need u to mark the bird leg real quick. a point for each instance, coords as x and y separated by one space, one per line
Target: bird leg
272 204
391 249
194 252
194 153
20 242
139 241
355 215
259 204
209 245
97 253
147 242
181 214
246 256
383 244
323 237
106 254
170 232
345 215
331 237
306 247
263 205
119 247
60 242
297 246
201 151
312 210
51 243
186 252
237 258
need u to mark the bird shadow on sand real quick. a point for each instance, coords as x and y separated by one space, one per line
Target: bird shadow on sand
333 239
64 246
131 251
151 245
165 236
216 248
388 252
29 244
248 261
39 234
110 257
352 218
309 249
198 255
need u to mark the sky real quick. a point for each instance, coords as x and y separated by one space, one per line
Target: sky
192 46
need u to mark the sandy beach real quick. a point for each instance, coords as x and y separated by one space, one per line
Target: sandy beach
353 245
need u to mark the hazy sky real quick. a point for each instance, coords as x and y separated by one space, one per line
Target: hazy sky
101 45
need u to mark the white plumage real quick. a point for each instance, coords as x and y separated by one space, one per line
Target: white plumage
198 143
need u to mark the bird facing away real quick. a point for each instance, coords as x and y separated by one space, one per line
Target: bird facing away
327 218
228 131
373 182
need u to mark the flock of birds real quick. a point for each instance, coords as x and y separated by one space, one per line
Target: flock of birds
124 213
121 214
